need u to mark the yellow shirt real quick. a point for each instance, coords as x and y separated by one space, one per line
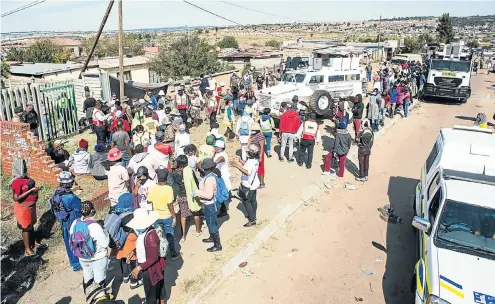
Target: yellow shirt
150 125
160 196
205 151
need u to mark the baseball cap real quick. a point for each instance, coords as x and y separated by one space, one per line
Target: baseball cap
162 175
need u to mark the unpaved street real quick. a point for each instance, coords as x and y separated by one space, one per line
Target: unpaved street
337 249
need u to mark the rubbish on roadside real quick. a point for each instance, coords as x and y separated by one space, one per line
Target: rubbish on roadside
289 255
387 214
248 273
378 260
242 265
358 299
295 250
349 186
367 272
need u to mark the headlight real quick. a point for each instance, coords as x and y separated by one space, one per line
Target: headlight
435 300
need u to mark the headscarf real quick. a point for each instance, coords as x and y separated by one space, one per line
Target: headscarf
19 169
124 203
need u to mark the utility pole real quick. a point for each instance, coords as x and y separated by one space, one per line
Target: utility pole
121 52
380 37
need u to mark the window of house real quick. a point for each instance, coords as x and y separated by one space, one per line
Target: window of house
335 78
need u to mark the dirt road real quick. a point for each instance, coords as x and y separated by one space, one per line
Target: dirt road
337 249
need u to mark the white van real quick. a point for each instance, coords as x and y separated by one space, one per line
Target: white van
403 58
455 216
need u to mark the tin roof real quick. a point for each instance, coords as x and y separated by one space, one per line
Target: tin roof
36 69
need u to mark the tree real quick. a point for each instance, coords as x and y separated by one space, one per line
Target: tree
189 55
412 45
273 43
15 54
444 28
228 42
5 69
133 45
473 44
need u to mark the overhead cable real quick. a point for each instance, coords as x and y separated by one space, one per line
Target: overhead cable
265 13
21 8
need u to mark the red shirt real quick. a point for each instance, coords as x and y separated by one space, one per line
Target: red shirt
113 126
19 186
289 122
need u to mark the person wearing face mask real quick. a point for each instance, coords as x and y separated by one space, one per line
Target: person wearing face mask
221 159
142 187
181 104
267 126
182 139
258 139
151 264
249 182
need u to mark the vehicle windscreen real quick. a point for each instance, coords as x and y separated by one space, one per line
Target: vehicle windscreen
468 226
398 61
288 77
451 65
300 77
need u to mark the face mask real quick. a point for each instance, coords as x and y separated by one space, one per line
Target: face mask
180 93
139 231
254 132
182 130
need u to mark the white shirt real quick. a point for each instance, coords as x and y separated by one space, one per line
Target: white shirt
143 195
251 180
181 141
117 176
224 168
193 161
161 115
99 236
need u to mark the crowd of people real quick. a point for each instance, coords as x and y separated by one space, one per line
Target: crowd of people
157 176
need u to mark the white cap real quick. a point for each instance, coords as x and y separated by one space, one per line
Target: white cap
222 84
161 93
220 144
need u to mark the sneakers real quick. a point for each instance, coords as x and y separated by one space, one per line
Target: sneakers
281 159
249 224
269 155
137 284
291 160
262 186
126 280
175 257
326 173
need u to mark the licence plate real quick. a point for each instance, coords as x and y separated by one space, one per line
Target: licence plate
452 74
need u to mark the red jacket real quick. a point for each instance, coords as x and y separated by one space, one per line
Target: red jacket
113 126
289 122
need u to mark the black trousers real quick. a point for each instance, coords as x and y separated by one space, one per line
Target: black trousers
101 134
183 115
127 269
251 205
153 293
364 163
306 146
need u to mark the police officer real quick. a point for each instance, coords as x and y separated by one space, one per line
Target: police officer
309 135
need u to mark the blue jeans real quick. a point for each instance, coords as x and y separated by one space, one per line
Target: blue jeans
73 260
125 160
406 108
268 141
211 212
368 76
166 225
236 105
95 270
376 125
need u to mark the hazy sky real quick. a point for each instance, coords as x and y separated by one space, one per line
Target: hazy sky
55 15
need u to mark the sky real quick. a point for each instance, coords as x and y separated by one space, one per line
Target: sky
86 15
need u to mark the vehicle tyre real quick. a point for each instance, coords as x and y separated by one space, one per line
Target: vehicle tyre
463 100
320 102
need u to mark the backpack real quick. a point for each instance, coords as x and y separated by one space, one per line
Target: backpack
222 192
163 248
113 225
57 206
266 125
244 129
80 241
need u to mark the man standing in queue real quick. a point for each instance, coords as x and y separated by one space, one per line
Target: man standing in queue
181 104
309 135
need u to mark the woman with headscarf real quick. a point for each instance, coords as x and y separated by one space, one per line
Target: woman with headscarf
66 207
222 160
97 160
25 194
481 121
127 253
258 138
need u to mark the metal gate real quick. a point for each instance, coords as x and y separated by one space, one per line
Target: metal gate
58 111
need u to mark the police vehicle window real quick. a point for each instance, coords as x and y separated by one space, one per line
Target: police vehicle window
335 78
434 206
433 185
316 79
352 77
431 158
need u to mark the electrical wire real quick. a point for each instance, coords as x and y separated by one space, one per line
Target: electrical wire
23 7
250 9
232 21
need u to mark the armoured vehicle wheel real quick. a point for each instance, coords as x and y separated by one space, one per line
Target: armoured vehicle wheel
320 102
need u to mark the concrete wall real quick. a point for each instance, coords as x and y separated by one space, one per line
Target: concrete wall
141 75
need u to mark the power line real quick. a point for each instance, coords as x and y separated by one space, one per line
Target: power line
23 7
205 10
250 9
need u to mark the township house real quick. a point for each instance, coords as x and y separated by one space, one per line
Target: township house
135 68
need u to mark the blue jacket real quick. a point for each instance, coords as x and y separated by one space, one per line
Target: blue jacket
72 204
394 95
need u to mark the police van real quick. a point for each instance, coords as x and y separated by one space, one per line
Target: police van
455 219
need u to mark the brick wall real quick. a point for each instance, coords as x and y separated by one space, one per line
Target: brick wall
17 142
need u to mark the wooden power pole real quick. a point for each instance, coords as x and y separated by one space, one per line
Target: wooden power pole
380 38
121 52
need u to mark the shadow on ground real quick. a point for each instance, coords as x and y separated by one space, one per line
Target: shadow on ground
400 247
19 272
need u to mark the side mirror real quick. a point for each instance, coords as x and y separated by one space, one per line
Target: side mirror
421 224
